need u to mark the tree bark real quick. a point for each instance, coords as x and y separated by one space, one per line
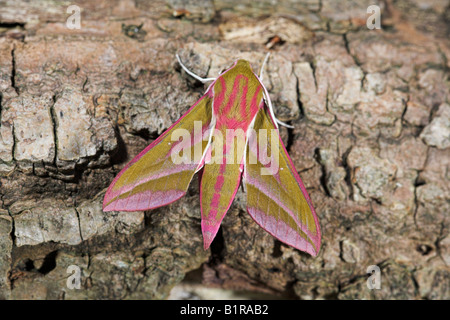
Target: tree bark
371 141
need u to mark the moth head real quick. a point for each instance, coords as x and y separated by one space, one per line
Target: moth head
243 63
240 65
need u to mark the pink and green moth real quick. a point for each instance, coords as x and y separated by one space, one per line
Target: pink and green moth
235 101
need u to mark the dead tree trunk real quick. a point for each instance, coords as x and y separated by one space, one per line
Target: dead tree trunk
371 116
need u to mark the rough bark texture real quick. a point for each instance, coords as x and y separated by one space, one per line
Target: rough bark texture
371 141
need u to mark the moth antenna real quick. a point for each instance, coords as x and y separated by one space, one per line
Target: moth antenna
268 98
263 65
193 75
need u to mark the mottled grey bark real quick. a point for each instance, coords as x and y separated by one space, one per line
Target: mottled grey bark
371 140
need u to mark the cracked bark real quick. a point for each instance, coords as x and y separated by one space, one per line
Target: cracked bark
371 142
13 71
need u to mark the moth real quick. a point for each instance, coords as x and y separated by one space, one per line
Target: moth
230 136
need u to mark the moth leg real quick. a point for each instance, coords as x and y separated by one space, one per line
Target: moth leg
267 98
189 72
272 114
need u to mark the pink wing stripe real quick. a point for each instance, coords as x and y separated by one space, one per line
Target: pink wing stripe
280 230
263 189
210 225
140 201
